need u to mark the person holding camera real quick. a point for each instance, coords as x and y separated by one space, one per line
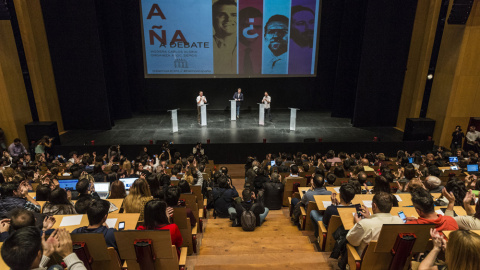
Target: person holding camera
223 197
42 144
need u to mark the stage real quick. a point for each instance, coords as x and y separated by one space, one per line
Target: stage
158 126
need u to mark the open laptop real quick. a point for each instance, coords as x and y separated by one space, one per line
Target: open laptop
453 159
472 168
70 184
128 182
102 189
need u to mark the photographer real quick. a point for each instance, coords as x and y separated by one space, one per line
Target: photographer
198 151
223 197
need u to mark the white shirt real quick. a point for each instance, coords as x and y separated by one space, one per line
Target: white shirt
266 100
472 136
203 101
368 229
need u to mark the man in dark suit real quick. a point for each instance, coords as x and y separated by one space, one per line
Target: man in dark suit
238 96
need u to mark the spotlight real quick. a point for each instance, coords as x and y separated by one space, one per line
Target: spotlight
430 76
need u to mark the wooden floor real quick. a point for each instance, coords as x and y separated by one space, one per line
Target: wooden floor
277 244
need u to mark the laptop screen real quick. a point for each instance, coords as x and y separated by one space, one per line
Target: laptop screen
102 187
453 159
128 182
410 160
68 184
472 168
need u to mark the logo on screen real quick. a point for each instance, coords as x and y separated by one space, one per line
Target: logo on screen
180 63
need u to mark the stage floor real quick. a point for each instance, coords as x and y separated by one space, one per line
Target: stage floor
158 126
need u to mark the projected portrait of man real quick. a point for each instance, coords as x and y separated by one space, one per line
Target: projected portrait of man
250 46
276 36
224 14
301 40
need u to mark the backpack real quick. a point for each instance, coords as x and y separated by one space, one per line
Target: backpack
248 220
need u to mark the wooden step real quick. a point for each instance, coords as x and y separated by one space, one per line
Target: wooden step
290 258
241 234
212 231
276 266
301 240
267 221
256 248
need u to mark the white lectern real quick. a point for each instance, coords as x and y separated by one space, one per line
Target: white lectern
233 110
261 114
293 118
203 112
174 120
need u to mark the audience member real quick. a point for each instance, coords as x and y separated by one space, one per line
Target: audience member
117 190
248 204
58 204
157 218
97 214
223 196
460 253
368 227
172 196
26 249
138 195
15 194
423 203
273 192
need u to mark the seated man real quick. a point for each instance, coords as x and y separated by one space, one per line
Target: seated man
84 188
97 214
248 204
434 184
20 218
15 194
368 228
347 193
316 188
423 203
273 192
82 205
26 250
223 196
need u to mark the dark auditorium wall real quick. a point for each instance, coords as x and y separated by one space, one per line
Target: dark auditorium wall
372 56
97 57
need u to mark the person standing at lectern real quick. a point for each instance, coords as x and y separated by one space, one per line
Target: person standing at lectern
266 100
201 100
238 96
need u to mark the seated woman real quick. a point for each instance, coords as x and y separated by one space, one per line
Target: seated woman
58 204
461 252
472 220
156 218
136 199
117 190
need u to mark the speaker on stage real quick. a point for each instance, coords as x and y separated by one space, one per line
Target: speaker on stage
36 130
418 129
460 11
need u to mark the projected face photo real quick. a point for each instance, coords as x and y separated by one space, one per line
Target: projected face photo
250 25
276 35
225 20
303 25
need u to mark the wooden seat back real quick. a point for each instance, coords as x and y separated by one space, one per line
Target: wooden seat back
165 252
308 221
289 187
183 222
333 225
191 202
103 257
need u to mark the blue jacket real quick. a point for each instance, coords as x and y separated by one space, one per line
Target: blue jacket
237 96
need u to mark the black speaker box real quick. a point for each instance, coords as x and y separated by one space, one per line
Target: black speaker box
36 130
418 129
460 11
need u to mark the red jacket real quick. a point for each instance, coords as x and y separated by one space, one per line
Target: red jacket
442 223
175 234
